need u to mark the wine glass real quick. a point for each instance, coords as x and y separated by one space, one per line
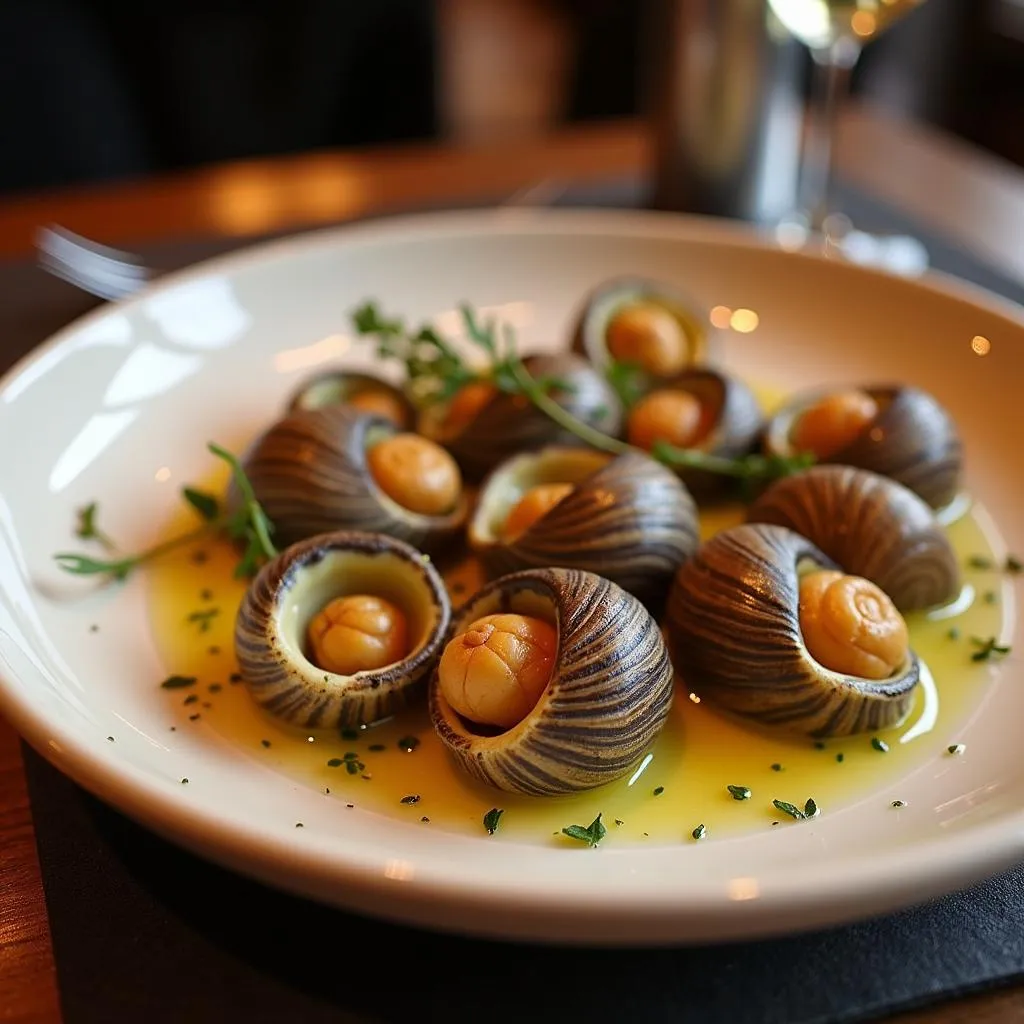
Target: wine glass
835 32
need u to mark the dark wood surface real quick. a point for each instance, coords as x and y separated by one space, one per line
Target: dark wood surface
972 199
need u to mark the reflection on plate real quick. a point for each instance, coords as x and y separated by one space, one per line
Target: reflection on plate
120 408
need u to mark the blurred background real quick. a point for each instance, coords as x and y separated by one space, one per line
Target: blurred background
104 90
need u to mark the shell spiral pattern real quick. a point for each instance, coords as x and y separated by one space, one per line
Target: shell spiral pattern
872 526
309 473
734 634
286 684
633 522
608 698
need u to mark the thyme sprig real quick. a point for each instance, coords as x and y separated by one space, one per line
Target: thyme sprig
248 524
436 371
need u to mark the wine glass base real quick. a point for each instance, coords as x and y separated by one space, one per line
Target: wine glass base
897 253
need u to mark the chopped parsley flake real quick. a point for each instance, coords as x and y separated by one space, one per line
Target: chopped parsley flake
988 649
412 798
699 832
591 834
899 803
658 790
956 748
491 819
408 744
880 745
178 682
739 792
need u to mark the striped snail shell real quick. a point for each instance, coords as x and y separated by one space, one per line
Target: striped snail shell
600 326
608 696
912 439
309 472
872 526
733 629
627 518
271 625
360 390
507 424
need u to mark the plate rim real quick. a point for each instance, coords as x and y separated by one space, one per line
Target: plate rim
977 852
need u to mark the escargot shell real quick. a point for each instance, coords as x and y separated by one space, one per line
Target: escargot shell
270 629
608 697
913 440
628 518
872 526
310 474
733 630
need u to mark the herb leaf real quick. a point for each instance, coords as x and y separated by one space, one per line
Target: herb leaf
591 834
699 832
204 503
203 618
491 819
739 792
178 682
86 528
791 809
988 649
627 380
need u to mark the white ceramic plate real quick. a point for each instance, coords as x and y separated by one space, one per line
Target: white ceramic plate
119 407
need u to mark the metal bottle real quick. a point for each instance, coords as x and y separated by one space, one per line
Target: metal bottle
724 94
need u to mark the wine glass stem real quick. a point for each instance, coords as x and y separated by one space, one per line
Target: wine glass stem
829 90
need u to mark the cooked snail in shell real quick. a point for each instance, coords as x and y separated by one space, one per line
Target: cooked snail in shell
335 468
643 323
871 526
482 426
341 629
764 624
699 409
625 517
551 681
361 391
899 432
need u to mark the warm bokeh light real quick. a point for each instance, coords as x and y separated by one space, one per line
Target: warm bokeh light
720 316
744 321
864 24
163 474
980 345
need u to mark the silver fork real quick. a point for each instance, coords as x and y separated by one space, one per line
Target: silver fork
98 269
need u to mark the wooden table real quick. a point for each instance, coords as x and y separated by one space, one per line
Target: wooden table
958 192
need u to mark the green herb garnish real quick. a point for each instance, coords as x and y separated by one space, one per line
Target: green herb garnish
412 798
249 524
491 819
739 792
658 790
955 748
810 809
840 758
1013 564
791 809
203 618
86 528
591 834
776 767
980 562
899 803
880 745
408 744
953 633
988 649
699 832
627 380
436 372
204 503
178 682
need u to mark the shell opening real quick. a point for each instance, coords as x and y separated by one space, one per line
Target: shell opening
509 484
314 585
833 422
526 603
647 333
414 472
675 415
850 626
781 434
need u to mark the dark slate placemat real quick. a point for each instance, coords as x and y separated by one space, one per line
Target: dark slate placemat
145 931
